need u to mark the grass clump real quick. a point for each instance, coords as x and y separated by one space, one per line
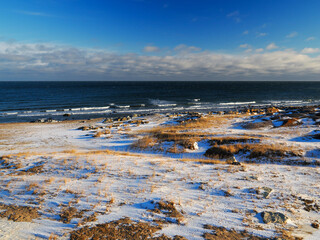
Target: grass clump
144 143
68 213
254 150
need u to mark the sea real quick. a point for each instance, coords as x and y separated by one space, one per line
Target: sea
60 100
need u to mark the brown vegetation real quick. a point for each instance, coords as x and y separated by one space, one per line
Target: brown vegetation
184 134
221 233
233 140
120 230
291 122
257 125
167 208
19 213
144 143
68 213
255 151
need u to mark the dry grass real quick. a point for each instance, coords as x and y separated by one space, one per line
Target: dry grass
19 213
255 151
120 229
233 140
101 133
68 213
204 161
144 143
184 134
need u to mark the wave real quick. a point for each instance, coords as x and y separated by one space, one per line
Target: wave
10 113
237 103
121 106
162 103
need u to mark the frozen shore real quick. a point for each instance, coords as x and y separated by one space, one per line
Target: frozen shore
169 175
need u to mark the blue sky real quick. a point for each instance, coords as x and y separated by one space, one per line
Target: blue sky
159 40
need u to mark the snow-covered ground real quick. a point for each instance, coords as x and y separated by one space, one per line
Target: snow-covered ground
55 166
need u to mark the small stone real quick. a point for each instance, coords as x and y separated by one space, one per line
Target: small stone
315 225
231 160
251 177
195 146
264 191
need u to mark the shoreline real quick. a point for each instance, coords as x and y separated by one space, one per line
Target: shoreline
258 109
60 115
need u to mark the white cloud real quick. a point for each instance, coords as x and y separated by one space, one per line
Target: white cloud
292 35
185 48
150 49
246 32
262 34
310 50
259 50
245 45
310 39
49 61
235 16
30 13
271 46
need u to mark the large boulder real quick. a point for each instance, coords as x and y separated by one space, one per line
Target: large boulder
273 217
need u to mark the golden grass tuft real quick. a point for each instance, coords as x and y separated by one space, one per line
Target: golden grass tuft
258 150
144 143
204 161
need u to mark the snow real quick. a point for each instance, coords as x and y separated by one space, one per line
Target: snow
116 185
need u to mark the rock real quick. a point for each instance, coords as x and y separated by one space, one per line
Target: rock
273 217
315 225
66 115
232 160
189 144
46 120
41 120
108 120
290 122
84 128
272 110
251 177
264 191
194 146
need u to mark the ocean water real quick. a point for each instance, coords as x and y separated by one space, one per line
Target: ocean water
28 101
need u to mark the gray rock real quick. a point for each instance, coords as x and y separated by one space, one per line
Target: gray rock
273 217
264 191
232 160
251 177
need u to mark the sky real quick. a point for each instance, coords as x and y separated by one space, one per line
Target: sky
178 40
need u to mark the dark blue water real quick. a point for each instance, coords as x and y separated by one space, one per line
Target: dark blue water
25 101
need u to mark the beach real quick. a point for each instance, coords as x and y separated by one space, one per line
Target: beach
183 175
